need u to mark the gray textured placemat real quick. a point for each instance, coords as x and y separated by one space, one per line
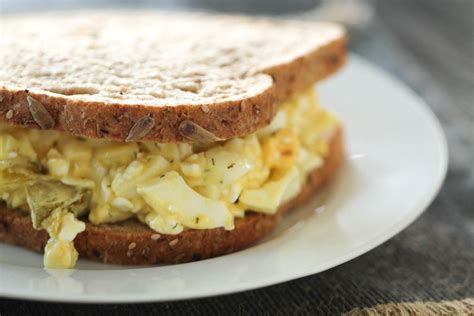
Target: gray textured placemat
428 45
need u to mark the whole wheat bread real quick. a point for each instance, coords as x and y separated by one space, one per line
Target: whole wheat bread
131 242
157 76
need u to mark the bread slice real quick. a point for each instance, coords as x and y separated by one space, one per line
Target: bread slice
164 77
131 242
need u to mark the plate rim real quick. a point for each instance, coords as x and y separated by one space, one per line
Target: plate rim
442 148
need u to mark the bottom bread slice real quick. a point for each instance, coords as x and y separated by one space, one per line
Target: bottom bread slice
132 242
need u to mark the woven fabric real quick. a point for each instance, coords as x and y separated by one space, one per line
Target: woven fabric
428 45
463 307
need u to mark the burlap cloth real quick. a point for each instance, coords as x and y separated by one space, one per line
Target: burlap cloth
463 307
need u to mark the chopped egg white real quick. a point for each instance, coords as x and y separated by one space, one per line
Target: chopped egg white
273 193
184 207
62 228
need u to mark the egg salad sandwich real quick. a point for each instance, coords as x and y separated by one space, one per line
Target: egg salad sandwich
152 137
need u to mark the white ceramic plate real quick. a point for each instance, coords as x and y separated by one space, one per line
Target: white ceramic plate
397 161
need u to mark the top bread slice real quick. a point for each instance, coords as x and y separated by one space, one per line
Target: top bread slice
160 76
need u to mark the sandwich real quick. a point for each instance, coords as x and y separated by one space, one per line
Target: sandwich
157 137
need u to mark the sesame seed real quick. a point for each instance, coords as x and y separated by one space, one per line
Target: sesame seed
155 236
146 251
132 245
205 108
9 114
129 254
173 242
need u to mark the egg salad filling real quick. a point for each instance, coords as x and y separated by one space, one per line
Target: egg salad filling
62 179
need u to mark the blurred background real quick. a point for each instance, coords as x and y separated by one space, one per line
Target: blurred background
354 13
427 44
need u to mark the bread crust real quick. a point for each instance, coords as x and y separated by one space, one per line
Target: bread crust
302 72
114 119
133 243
